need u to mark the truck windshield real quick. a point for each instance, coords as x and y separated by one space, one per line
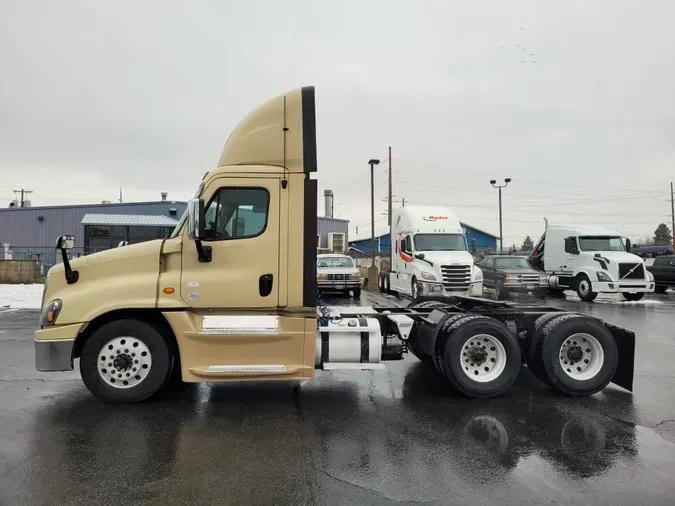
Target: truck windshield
512 263
183 218
440 242
335 262
600 243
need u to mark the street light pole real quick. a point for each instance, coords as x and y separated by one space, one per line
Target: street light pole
372 162
493 182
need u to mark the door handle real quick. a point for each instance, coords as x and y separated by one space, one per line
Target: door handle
265 284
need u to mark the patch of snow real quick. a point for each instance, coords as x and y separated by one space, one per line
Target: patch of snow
21 296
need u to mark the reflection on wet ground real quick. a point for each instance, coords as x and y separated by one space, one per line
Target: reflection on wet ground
399 435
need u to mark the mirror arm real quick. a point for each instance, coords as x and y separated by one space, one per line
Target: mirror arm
203 252
71 275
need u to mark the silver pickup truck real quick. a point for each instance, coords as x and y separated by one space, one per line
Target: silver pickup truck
337 273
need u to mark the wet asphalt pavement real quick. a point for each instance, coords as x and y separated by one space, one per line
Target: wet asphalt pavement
381 437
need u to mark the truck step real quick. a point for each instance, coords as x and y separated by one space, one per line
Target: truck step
353 366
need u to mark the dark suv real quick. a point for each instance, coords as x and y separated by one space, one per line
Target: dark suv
663 270
511 273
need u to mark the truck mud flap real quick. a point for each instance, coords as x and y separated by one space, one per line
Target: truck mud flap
625 343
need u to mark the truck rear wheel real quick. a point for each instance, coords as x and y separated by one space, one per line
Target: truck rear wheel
413 343
125 361
633 297
481 357
585 288
578 353
534 362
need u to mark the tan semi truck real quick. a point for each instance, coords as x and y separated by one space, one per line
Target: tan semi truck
231 296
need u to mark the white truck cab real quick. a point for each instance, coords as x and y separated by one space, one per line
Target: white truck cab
591 260
337 273
429 256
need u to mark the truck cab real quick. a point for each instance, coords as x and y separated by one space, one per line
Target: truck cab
591 260
429 255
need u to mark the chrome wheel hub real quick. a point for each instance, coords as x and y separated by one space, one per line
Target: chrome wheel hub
483 358
124 362
581 356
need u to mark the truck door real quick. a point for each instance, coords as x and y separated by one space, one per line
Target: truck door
242 229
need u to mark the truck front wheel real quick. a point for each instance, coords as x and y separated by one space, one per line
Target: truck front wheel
585 288
633 297
414 291
125 361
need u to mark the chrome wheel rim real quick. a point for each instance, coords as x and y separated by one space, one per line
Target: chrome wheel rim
414 290
581 356
584 287
483 358
124 362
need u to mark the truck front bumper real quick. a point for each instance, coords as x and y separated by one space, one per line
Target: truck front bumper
623 286
432 289
348 284
525 287
54 347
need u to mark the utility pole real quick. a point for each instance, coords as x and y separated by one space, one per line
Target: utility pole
390 185
493 183
22 192
372 162
403 202
672 213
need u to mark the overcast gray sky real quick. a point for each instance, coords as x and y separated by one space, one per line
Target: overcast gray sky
571 99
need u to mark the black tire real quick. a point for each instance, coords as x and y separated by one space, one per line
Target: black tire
414 291
380 284
660 289
462 332
554 334
556 292
584 288
633 297
413 343
534 361
501 292
174 382
540 293
387 285
357 293
141 331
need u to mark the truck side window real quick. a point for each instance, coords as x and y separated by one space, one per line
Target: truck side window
407 247
236 213
490 263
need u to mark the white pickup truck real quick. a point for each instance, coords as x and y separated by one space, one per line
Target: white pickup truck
337 273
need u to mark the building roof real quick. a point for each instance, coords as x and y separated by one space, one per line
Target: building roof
327 218
380 232
466 225
99 205
128 220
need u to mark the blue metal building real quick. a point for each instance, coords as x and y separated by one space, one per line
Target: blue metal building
484 240
31 232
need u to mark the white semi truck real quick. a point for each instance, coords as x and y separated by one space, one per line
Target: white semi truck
591 260
225 299
430 258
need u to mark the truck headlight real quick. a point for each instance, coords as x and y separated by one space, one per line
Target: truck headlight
355 276
50 313
543 278
428 276
650 276
320 276
603 277
479 275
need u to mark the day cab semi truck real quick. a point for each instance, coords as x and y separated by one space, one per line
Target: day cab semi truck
591 260
430 258
231 295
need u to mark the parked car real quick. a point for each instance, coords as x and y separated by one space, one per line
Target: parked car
663 270
511 273
337 273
